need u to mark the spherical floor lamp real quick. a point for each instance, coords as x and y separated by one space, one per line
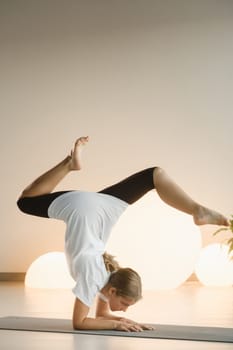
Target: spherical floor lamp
215 266
49 271
161 243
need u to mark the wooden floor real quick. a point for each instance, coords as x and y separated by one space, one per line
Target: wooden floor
191 304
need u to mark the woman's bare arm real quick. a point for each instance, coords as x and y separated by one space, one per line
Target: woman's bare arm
82 321
103 312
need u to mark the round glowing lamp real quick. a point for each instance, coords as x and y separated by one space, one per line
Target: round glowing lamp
215 266
160 242
49 271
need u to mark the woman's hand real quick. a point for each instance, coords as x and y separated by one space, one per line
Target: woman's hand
145 327
127 325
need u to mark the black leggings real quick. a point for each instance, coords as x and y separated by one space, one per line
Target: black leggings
129 190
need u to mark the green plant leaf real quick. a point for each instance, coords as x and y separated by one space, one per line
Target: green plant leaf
220 230
230 248
230 241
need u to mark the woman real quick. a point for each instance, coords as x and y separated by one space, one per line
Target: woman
89 218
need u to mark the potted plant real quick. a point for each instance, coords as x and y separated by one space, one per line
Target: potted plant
229 242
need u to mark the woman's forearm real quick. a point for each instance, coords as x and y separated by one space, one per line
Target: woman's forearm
101 323
116 318
96 323
109 317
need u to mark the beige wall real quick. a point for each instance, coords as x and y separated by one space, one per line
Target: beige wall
150 81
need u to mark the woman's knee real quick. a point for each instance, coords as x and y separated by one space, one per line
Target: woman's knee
158 171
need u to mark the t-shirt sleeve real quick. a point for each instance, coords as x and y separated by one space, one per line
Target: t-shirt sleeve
85 290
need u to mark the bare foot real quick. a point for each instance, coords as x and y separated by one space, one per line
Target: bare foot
204 216
76 153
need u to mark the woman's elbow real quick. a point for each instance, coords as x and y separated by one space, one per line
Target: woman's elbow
78 325
79 319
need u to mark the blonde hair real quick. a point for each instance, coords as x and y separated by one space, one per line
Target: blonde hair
126 281
110 263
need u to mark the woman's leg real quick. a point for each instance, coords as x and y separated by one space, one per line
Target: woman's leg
137 185
133 187
49 180
37 197
174 196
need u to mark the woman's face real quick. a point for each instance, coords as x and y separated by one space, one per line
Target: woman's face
119 303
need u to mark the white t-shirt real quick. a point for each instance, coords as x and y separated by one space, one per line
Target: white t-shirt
89 218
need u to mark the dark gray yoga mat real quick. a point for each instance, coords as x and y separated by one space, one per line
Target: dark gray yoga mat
162 331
